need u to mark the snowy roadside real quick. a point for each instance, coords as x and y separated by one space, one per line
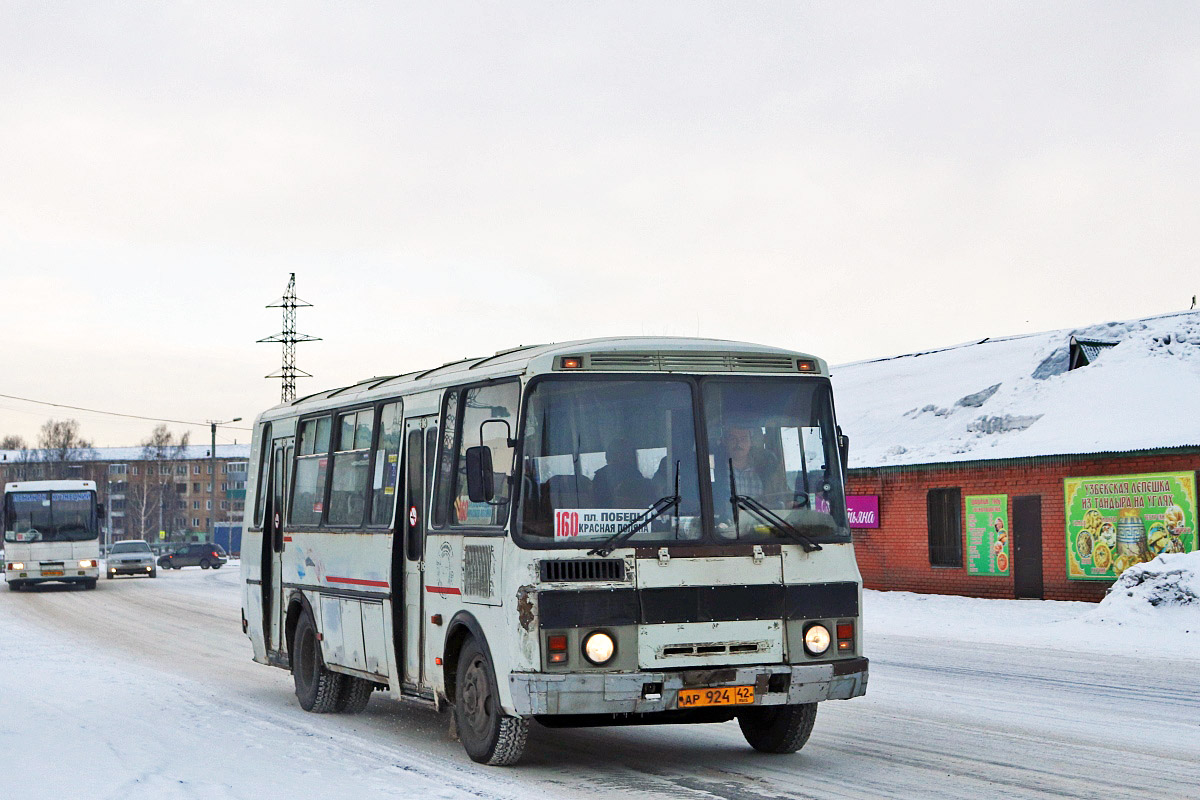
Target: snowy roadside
1126 623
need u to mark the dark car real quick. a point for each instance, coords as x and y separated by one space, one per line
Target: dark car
195 555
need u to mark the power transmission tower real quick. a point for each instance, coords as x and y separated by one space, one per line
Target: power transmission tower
289 338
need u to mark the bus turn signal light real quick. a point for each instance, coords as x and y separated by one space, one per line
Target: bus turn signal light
845 635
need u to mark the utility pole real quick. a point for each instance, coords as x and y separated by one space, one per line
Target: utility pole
289 339
212 469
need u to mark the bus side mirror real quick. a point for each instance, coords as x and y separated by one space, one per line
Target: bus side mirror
100 510
844 448
480 479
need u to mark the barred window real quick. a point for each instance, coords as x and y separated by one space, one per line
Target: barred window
945 527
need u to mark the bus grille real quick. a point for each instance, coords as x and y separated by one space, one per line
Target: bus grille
583 569
692 362
477 570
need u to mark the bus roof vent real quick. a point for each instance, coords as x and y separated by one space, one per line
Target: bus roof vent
583 569
677 361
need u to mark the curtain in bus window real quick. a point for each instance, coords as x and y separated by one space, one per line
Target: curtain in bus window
308 500
497 407
351 468
387 464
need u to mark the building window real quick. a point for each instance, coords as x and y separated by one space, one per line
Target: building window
181 488
210 469
236 466
196 488
945 527
181 505
117 469
117 504
208 505
224 486
181 469
195 522
196 470
239 506
224 505
164 469
133 470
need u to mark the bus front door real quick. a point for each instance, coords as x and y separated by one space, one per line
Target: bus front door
411 519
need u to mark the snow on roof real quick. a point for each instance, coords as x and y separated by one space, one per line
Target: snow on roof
193 452
1015 397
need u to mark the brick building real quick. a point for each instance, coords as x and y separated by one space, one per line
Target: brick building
143 492
1030 466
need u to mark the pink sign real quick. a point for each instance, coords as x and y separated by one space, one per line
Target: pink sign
863 510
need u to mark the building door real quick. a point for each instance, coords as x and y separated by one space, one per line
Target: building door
408 556
1027 545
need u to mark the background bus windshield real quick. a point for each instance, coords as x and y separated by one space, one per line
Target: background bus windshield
49 516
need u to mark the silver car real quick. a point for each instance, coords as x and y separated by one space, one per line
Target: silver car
132 557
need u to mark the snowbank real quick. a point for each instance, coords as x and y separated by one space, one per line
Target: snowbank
1125 625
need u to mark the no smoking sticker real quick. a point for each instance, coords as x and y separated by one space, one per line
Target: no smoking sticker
412 516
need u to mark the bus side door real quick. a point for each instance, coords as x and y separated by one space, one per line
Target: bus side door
281 461
411 519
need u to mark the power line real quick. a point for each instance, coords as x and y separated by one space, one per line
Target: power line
289 338
117 413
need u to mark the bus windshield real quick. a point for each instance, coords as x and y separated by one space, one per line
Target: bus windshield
50 517
598 452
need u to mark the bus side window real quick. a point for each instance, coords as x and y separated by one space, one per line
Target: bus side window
351 468
264 463
312 460
387 464
414 483
496 405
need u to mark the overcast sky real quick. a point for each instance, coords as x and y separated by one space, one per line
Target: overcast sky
451 179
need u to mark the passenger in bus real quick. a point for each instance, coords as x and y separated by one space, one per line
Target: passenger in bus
619 483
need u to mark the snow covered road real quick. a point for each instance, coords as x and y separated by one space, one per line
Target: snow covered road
147 688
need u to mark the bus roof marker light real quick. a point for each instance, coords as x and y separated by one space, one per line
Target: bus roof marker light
804 365
572 362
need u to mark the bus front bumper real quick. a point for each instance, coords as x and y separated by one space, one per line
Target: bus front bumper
648 692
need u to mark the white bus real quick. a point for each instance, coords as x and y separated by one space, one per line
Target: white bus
51 533
614 531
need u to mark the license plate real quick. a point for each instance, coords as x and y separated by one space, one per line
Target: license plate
52 572
720 696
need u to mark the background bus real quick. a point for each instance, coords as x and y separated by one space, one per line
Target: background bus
51 533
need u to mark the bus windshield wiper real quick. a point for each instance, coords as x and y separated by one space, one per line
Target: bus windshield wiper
660 507
776 522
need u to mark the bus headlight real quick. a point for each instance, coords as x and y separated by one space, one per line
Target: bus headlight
87 563
599 647
816 639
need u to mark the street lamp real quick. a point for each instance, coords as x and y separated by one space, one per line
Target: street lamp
212 470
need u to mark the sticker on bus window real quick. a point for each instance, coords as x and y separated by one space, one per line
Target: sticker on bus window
592 522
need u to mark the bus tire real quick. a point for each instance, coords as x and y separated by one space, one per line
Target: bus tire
317 688
778 729
90 583
354 696
487 733
13 586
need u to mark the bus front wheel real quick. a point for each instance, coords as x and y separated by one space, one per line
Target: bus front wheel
487 733
778 729
317 688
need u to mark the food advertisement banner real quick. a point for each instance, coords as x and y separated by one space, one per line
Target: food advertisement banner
1116 521
987 535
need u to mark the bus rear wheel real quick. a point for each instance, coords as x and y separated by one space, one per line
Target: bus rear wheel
778 729
317 688
14 586
90 583
355 694
487 733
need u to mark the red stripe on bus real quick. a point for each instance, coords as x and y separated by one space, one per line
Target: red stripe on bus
442 590
287 538
356 581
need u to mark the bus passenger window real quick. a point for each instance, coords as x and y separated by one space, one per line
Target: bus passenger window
480 405
308 500
387 464
351 465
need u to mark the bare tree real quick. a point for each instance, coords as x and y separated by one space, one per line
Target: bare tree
60 446
12 442
157 497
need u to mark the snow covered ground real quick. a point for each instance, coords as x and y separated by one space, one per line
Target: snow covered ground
145 689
